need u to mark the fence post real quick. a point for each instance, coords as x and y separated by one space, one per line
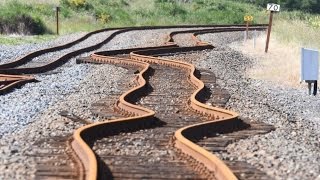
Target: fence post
57 18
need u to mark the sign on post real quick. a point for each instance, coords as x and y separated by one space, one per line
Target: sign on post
309 64
247 19
272 8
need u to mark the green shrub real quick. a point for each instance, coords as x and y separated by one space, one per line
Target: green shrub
22 24
18 18
76 4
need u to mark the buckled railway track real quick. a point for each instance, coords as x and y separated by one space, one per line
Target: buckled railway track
154 111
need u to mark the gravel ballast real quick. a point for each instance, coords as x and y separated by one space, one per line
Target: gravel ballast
137 39
50 57
292 151
38 114
10 53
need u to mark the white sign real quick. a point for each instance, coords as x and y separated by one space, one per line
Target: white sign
309 64
273 7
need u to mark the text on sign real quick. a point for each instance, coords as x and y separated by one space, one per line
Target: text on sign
273 7
248 18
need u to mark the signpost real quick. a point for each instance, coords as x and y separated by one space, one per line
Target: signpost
272 8
247 19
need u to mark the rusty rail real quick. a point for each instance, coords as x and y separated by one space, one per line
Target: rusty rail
200 155
138 115
9 82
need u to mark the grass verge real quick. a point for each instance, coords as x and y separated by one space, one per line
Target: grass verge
18 39
282 62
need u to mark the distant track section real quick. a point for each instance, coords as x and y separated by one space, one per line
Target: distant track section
13 67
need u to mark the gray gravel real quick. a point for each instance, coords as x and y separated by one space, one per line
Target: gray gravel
49 57
10 53
292 151
137 39
38 108
184 39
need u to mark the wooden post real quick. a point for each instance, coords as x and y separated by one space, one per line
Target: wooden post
254 38
269 31
247 30
57 18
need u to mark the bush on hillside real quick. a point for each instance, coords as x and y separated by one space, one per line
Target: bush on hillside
76 4
17 18
22 24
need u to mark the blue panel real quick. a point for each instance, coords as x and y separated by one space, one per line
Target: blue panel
309 64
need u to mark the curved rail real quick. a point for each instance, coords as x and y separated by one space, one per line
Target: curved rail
200 155
138 115
25 59
9 82
142 57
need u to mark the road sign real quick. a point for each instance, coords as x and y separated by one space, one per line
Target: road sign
248 18
273 7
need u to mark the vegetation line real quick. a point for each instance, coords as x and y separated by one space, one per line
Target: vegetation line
30 17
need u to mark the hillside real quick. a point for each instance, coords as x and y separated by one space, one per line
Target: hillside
37 17
84 15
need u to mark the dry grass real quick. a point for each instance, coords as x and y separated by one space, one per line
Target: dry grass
83 23
281 64
53 2
298 32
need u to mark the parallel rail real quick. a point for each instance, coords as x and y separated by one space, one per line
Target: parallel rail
12 68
